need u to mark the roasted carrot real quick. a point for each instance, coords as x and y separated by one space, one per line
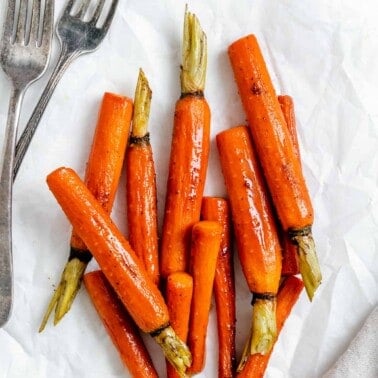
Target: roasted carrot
286 299
102 176
255 231
189 153
274 147
141 184
217 209
290 263
119 325
178 293
206 239
121 266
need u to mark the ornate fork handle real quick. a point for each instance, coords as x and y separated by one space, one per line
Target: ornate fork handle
64 60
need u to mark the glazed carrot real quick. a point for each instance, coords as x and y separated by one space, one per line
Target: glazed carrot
217 209
119 263
274 147
290 263
141 184
255 231
102 176
178 294
287 108
286 299
189 153
206 238
119 325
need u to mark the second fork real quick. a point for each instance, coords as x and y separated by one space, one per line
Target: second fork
76 37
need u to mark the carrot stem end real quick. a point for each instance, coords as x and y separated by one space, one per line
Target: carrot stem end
263 332
175 350
142 105
65 294
194 56
308 263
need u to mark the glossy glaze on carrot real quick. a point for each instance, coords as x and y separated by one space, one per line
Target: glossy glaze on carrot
178 294
206 239
255 230
271 135
120 326
290 263
287 296
141 197
189 153
253 222
274 147
217 209
102 177
119 263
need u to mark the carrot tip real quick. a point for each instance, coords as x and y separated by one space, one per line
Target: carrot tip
175 350
264 326
308 262
66 292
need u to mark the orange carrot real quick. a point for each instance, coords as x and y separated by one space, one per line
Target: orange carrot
120 326
179 290
101 177
286 299
118 261
281 167
255 231
141 184
287 107
217 209
189 153
206 238
290 263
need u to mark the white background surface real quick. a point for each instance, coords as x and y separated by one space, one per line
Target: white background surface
325 55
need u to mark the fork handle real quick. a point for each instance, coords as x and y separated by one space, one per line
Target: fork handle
64 60
6 281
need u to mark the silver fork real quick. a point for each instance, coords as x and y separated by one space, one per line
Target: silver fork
76 37
24 54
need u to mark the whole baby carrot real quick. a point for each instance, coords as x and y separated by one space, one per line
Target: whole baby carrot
178 294
102 176
287 296
141 184
120 326
274 147
290 263
217 209
189 152
206 238
119 263
255 232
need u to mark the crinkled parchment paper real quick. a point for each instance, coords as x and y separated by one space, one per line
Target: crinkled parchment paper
323 53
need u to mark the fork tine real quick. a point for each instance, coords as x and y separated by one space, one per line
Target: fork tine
83 9
69 6
9 21
36 11
48 23
21 22
98 11
110 15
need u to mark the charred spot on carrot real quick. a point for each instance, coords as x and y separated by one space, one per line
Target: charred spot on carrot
256 89
136 140
82 255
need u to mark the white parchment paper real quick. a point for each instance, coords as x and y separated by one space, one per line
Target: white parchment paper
323 53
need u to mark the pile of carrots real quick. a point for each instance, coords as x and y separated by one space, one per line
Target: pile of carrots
166 290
